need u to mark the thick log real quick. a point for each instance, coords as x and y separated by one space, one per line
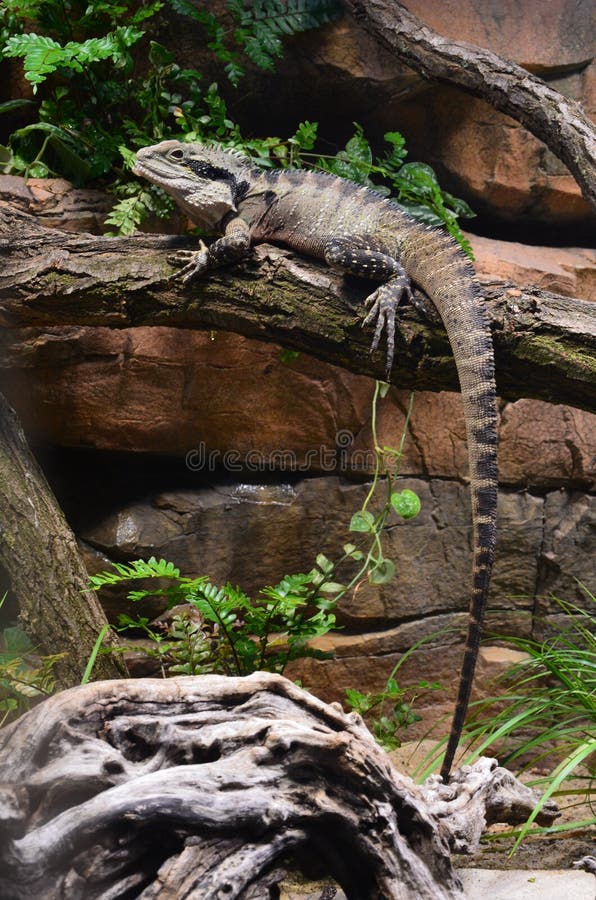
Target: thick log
545 344
204 787
38 551
553 118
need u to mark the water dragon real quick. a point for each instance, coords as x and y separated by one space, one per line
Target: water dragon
359 232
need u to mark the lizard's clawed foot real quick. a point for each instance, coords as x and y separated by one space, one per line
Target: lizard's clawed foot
382 305
193 262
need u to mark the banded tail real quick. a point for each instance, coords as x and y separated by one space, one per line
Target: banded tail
449 280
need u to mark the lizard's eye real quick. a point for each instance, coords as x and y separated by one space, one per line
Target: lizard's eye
177 154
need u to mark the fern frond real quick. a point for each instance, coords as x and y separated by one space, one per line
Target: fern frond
140 568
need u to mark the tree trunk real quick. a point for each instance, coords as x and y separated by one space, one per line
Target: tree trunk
545 345
558 121
204 787
39 552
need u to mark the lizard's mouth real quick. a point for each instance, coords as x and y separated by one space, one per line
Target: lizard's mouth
142 170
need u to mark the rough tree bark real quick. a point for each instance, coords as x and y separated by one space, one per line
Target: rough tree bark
204 787
545 344
558 121
39 552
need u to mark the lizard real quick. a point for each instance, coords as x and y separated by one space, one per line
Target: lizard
358 232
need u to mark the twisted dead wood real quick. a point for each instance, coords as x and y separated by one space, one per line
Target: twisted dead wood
204 787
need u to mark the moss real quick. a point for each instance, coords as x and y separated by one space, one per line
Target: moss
549 350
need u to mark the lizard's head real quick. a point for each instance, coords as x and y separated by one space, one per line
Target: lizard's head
205 182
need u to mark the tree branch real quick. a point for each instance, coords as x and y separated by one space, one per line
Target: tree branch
558 121
545 344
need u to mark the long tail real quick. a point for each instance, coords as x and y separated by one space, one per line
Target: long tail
449 280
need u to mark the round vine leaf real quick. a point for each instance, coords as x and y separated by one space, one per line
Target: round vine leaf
382 572
406 503
362 521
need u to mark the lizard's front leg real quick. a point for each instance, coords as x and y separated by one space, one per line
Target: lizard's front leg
231 247
356 257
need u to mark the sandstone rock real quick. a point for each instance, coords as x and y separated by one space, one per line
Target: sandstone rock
252 535
541 444
496 164
365 662
518 31
56 203
568 560
544 444
570 271
169 391
173 392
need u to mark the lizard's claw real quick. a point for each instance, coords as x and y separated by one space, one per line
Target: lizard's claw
382 305
193 262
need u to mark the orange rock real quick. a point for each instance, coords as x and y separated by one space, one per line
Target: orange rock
563 270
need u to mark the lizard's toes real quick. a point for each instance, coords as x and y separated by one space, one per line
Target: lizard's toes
181 257
193 263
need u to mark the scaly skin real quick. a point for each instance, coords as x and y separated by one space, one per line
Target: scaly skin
359 232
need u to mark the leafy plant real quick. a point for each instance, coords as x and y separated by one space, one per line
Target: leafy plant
414 185
98 99
24 678
230 632
393 706
405 503
259 29
99 105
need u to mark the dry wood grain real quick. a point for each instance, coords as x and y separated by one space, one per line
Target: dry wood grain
204 787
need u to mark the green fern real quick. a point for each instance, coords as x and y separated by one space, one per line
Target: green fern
263 25
235 634
25 678
260 28
43 55
140 568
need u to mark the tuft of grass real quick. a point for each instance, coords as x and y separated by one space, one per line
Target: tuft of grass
548 709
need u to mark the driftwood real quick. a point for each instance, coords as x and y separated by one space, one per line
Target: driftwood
205 787
545 344
553 118
39 552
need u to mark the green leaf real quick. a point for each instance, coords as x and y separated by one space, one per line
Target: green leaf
16 641
324 564
406 503
94 652
352 552
383 572
11 105
358 148
42 55
362 521
45 137
288 356
6 160
305 135
332 587
421 212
